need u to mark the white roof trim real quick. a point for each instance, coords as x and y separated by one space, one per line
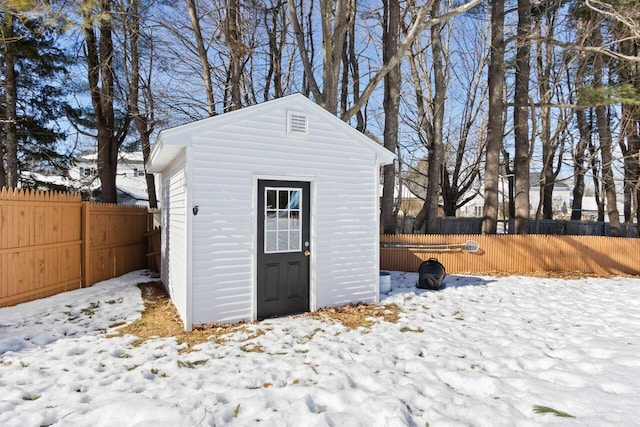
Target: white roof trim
168 145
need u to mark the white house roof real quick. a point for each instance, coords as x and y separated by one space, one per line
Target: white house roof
127 157
171 141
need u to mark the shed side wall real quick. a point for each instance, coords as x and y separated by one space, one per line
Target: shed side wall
174 237
343 223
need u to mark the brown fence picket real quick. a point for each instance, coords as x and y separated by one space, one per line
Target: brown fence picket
116 241
46 245
40 244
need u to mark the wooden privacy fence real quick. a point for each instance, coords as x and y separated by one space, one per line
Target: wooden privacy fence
517 253
40 245
51 242
114 240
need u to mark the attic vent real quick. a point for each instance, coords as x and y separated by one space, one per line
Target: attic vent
297 123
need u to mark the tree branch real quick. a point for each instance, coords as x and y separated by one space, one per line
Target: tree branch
420 24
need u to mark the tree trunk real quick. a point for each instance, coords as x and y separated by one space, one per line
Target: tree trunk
100 76
579 168
425 117
276 26
631 134
584 131
632 168
236 53
3 174
11 99
595 161
604 135
521 118
495 124
436 150
584 134
143 124
548 177
335 37
355 76
391 108
202 55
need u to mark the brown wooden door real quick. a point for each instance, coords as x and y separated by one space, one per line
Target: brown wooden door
283 248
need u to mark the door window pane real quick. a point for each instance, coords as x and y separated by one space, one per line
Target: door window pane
282 225
271 241
294 199
270 220
283 220
283 199
271 199
294 240
283 241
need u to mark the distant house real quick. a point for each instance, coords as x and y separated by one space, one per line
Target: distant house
562 197
410 203
82 176
130 180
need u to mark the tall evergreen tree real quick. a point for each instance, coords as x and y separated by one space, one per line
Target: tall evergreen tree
32 93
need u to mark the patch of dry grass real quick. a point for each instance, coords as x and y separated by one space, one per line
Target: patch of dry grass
160 319
353 316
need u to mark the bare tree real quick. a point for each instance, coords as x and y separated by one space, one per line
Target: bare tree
351 75
429 211
467 143
431 64
522 156
275 22
584 132
629 139
237 51
137 83
97 23
391 31
604 135
552 129
495 124
335 23
202 56
333 33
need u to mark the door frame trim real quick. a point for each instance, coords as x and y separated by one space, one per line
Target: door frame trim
254 232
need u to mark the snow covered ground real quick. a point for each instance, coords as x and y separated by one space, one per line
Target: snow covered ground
483 351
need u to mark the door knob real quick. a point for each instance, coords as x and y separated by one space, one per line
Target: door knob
307 253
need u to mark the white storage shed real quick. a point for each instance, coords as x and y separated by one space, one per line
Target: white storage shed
266 211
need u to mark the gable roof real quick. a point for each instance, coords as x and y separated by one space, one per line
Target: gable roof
536 177
171 141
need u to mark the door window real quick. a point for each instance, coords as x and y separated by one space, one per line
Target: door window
282 225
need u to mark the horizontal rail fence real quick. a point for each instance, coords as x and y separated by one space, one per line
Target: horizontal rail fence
51 242
514 253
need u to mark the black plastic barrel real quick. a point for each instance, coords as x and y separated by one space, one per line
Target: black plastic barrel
430 274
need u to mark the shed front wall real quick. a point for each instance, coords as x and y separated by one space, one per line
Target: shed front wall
227 164
174 234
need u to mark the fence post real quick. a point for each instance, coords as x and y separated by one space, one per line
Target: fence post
85 244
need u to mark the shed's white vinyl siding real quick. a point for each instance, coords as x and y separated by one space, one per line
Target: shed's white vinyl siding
174 234
343 225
